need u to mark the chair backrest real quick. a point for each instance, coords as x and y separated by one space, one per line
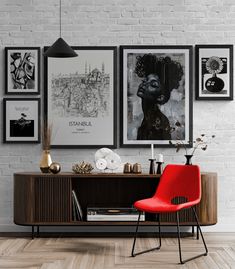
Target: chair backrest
180 181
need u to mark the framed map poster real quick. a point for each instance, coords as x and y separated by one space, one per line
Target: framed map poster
80 98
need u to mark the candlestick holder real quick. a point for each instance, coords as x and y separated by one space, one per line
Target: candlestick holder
152 166
159 168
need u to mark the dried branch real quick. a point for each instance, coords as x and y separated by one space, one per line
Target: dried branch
201 142
46 136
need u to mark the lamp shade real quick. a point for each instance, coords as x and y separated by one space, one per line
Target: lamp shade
60 49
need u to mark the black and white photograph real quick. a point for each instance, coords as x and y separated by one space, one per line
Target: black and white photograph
156 95
80 98
214 72
21 120
22 66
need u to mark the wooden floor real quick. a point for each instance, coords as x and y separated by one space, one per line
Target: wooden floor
109 253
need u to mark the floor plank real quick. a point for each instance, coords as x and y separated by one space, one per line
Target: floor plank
107 253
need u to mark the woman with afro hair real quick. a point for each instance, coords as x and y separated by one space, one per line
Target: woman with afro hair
160 76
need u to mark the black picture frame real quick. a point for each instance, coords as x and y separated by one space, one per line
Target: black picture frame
214 72
128 60
17 128
72 67
22 70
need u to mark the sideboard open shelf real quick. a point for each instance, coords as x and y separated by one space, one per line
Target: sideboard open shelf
46 199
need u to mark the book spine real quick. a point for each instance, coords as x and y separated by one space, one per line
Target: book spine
78 217
73 208
77 206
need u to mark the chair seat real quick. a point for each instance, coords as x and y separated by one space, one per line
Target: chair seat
156 205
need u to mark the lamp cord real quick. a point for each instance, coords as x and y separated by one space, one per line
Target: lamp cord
60 18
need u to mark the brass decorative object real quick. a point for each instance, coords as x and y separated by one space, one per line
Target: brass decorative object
55 168
127 168
45 161
137 168
82 168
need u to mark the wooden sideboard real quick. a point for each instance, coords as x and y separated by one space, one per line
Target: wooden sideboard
45 199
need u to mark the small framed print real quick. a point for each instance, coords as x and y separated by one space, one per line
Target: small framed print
156 95
80 98
22 65
21 122
214 72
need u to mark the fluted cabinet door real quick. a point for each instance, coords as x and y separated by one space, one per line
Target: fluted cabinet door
52 199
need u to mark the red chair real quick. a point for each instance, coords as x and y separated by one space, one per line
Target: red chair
177 181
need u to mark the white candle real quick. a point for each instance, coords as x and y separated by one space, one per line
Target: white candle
160 158
152 151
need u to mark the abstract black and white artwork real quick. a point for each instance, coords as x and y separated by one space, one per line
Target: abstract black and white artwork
214 72
80 98
21 120
22 70
156 97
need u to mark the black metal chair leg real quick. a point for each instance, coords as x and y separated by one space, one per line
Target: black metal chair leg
197 233
199 228
178 233
38 231
32 233
193 230
159 231
136 232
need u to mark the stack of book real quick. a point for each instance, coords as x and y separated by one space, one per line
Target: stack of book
113 214
77 210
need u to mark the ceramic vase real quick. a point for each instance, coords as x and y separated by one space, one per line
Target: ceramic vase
188 159
45 161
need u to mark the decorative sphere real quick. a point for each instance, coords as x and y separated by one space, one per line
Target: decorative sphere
214 84
55 168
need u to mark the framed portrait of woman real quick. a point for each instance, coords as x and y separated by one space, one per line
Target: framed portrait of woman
156 95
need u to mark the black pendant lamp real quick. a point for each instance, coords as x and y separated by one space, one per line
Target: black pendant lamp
60 49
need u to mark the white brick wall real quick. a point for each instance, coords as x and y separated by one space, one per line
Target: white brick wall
115 22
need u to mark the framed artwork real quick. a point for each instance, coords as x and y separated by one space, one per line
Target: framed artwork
214 72
156 95
80 98
22 65
21 120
